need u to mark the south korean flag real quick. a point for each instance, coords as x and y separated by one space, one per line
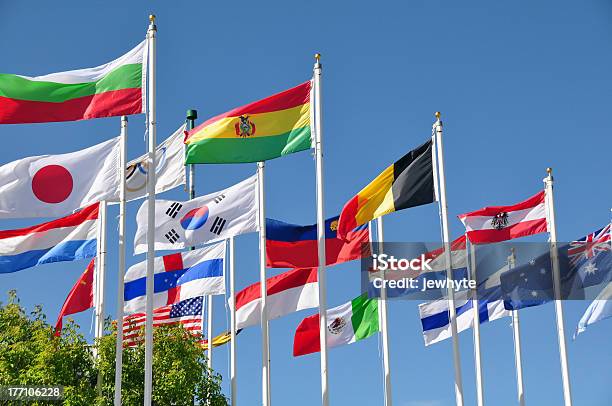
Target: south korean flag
205 219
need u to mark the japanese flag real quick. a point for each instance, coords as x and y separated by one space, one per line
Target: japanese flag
57 185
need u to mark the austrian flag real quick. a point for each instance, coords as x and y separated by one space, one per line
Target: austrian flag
501 223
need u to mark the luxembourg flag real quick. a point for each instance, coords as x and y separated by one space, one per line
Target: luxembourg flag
69 238
502 223
178 277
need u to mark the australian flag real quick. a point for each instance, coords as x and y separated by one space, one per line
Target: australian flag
584 263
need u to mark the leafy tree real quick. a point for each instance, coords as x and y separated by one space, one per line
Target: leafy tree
31 355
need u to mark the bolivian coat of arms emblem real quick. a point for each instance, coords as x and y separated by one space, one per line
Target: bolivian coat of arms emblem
245 127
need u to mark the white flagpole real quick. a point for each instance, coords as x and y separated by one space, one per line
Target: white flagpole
121 269
152 129
320 232
447 254
191 116
100 271
382 311
265 338
552 227
516 333
232 283
476 323
100 276
209 308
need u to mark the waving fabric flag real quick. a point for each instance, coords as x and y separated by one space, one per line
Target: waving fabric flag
293 246
266 129
437 273
187 313
56 185
288 292
584 263
435 317
169 168
80 297
346 324
113 89
209 218
409 182
599 309
219 340
501 223
69 238
177 277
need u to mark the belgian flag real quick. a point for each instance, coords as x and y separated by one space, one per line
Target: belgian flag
409 182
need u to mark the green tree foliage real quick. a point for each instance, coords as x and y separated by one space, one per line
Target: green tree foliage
31 355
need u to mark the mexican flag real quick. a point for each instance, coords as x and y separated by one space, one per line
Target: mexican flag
113 89
346 324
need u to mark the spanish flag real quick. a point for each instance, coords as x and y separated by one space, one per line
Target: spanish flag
409 182
266 129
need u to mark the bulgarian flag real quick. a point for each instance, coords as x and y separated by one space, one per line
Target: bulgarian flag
346 324
266 129
113 89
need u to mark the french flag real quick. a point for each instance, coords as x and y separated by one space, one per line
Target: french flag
295 246
69 238
501 223
177 277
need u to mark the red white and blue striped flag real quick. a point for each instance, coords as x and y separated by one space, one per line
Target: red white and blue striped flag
187 312
177 277
69 238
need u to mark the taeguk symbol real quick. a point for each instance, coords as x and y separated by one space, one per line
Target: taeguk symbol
195 218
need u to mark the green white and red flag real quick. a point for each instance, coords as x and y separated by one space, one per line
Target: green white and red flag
346 324
113 89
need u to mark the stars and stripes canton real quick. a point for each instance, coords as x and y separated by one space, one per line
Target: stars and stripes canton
588 247
187 312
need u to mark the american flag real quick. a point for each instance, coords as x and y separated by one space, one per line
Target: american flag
588 247
187 312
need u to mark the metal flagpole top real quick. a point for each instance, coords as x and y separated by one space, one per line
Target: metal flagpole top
152 25
192 114
549 176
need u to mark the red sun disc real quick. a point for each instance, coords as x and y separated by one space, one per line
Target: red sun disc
52 184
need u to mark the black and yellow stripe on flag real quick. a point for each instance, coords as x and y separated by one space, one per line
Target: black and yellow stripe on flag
219 340
409 182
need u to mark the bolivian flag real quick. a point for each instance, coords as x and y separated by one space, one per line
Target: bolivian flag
266 129
409 182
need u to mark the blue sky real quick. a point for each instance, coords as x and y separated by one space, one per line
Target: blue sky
521 86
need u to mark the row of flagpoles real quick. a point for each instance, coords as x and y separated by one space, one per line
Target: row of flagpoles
439 186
